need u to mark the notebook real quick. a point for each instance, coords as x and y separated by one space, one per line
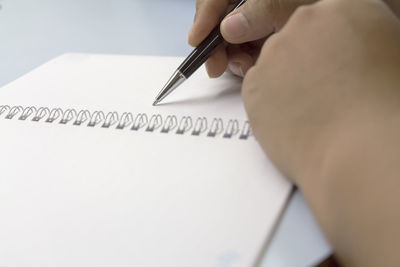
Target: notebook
91 174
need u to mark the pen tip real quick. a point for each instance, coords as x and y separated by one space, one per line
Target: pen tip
155 103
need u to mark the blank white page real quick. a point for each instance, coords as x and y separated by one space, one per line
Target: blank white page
144 186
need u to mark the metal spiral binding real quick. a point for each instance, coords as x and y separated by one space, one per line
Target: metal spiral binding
141 121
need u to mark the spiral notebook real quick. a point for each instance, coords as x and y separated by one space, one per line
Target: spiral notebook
92 174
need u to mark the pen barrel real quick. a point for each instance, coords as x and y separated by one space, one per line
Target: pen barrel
201 53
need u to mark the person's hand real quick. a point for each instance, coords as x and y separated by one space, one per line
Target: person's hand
333 58
323 101
246 27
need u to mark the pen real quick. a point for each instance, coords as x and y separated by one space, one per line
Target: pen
195 59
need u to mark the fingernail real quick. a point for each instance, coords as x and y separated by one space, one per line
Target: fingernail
236 69
235 26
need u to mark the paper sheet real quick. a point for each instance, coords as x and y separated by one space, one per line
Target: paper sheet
72 195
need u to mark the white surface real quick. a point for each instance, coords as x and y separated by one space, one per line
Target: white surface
36 31
95 196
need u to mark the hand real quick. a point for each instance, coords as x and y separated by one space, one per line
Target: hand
332 58
323 101
246 27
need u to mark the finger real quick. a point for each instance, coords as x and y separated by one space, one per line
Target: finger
257 19
208 15
217 63
253 48
239 61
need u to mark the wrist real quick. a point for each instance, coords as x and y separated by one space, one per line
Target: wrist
355 189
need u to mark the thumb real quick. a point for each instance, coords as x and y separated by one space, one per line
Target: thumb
257 19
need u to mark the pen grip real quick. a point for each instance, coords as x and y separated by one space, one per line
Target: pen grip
201 53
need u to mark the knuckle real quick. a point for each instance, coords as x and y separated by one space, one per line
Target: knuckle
304 12
280 10
303 16
275 46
